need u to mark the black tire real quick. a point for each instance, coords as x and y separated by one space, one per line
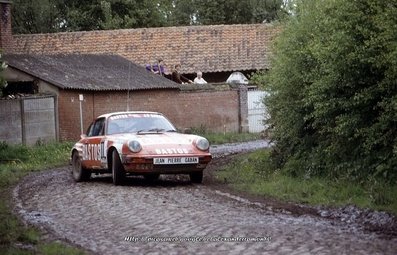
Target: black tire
151 177
79 173
118 172
196 177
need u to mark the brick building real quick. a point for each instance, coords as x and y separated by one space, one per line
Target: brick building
112 83
217 51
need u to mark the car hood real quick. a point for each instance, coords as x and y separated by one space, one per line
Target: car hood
161 143
158 138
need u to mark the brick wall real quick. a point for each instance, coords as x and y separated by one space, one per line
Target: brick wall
6 39
216 110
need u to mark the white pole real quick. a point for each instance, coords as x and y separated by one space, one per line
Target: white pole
81 98
128 91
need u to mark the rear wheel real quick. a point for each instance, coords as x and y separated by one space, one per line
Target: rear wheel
79 173
196 177
118 172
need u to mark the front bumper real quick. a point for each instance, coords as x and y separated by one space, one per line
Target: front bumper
144 165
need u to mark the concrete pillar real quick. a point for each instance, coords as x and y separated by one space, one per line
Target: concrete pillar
243 108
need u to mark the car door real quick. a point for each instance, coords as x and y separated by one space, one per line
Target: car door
93 145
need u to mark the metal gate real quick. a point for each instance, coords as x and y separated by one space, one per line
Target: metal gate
256 111
28 120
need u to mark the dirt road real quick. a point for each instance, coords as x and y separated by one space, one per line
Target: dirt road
173 216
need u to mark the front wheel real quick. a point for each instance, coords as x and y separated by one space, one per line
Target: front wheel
196 177
79 173
118 172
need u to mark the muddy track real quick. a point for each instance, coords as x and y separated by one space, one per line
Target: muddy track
173 216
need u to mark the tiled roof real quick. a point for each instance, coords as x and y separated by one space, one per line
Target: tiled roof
89 72
206 48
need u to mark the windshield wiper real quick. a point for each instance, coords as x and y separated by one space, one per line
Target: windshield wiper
158 130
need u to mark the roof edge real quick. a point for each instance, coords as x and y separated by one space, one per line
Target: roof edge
33 74
272 24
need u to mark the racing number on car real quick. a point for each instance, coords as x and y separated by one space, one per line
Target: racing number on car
102 150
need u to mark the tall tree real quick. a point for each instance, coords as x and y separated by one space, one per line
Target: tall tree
113 14
183 12
35 16
238 11
81 15
333 86
42 16
130 14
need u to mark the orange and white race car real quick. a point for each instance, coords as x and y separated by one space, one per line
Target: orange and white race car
138 143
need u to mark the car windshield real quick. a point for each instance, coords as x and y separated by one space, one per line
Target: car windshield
138 123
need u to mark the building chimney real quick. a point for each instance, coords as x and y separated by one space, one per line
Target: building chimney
5 25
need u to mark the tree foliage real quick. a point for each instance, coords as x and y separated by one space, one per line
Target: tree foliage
112 14
35 16
333 87
3 82
42 16
211 12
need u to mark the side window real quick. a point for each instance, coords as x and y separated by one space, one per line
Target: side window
96 128
89 129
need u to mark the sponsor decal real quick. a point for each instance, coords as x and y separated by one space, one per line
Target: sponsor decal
104 145
172 151
94 151
126 116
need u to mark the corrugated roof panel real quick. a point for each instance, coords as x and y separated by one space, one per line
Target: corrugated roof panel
89 72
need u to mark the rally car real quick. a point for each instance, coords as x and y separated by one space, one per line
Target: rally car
138 143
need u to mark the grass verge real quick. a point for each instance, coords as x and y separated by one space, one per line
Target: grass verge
249 174
16 162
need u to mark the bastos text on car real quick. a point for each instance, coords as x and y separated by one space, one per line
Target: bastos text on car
138 143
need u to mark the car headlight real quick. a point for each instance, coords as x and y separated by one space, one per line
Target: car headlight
202 144
134 146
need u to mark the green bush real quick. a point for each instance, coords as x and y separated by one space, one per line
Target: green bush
253 173
333 91
13 153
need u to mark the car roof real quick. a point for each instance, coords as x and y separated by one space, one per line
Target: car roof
107 115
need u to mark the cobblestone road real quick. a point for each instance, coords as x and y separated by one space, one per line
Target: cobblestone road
133 219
